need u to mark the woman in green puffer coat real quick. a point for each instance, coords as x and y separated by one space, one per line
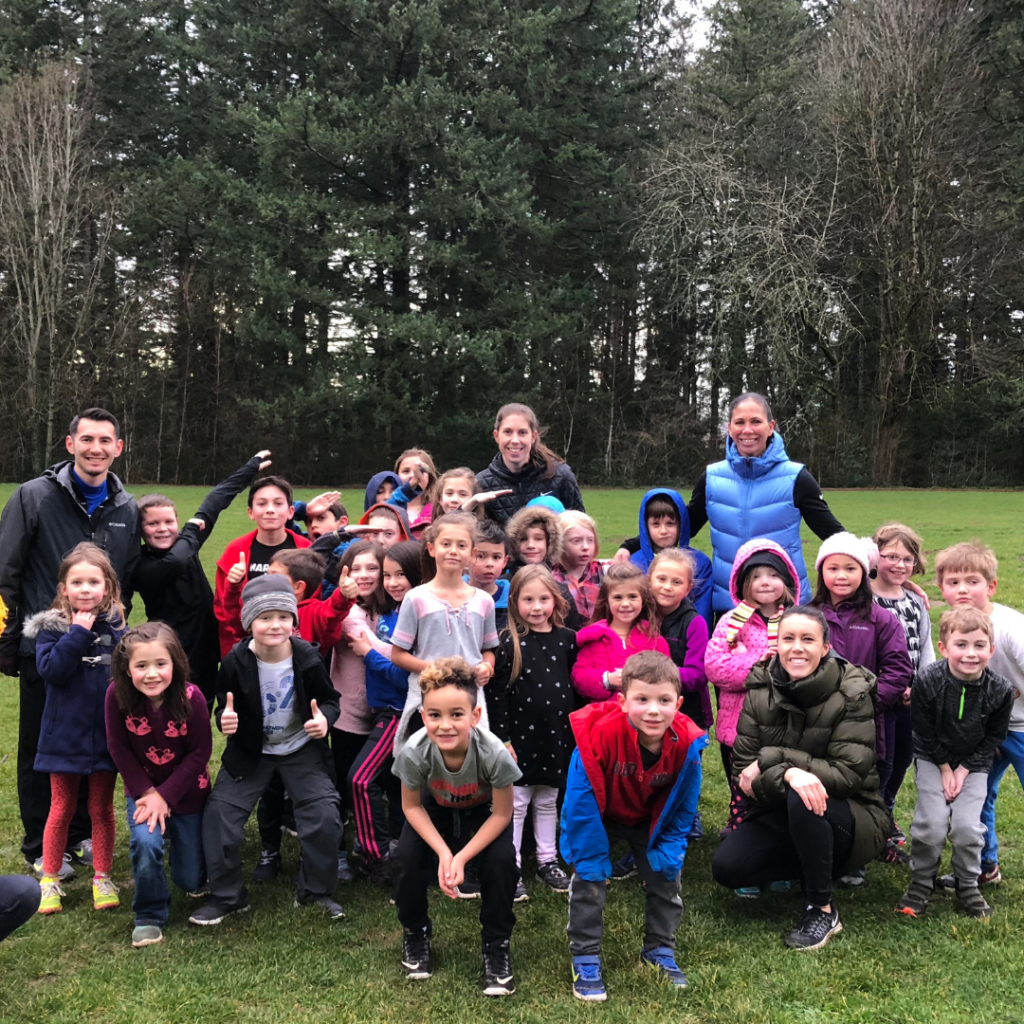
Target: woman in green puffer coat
805 758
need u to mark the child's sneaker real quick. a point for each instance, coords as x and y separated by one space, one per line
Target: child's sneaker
664 959
893 854
855 879
696 833
146 935
498 980
416 953
522 893
334 911
624 868
469 887
898 836
914 902
269 867
781 887
972 903
81 854
748 892
104 893
816 927
344 868
989 876
587 983
553 876
50 893
216 910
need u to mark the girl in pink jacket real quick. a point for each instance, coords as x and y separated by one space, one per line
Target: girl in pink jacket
763 582
625 621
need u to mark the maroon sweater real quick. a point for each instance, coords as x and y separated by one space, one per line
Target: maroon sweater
151 751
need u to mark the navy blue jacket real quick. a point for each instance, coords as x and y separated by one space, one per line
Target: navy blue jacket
74 663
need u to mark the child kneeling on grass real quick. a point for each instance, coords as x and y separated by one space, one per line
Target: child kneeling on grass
960 710
635 775
285 706
457 798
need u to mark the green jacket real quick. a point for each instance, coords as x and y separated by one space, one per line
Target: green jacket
824 724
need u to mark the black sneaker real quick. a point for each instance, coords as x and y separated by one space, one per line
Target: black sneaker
898 836
696 829
816 927
469 887
498 980
624 868
216 910
893 853
334 911
914 902
269 867
553 876
344 871
416 953
522 893
971 902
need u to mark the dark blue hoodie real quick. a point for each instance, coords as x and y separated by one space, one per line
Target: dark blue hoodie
702 583
375 484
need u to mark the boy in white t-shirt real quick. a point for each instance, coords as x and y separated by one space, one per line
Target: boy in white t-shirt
457 798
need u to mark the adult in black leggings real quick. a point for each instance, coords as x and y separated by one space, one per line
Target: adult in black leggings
804 758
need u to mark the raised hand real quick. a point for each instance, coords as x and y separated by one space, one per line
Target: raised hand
237 572
83 619
264 456
480 499
321 503
347 585
316 727
229 717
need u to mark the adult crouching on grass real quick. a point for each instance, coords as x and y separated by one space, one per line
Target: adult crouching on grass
524 468
805 760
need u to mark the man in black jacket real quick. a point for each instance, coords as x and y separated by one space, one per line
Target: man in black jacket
75 501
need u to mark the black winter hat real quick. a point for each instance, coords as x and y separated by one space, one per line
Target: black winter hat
772 560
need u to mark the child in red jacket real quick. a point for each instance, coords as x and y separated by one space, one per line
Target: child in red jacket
270 506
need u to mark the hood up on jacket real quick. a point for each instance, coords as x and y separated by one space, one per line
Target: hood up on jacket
399 513
753 547
375 484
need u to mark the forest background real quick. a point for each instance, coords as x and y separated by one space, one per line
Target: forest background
342 227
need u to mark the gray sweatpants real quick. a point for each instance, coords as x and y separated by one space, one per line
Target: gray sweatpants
934 818
664 907
317 820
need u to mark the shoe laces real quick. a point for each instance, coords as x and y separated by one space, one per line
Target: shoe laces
51 888
588 970
498 959
104 886
268 856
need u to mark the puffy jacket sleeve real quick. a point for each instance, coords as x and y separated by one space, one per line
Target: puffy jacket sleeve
588 672
747 746
669 841
59 655
895 669
728 667
843 770
569 490
584 841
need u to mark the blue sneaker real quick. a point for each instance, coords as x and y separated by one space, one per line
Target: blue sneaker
587 983
696 829
780 887
748 892
665 960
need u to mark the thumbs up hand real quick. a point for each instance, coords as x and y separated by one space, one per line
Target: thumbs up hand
237 572
347 585
316 727
229 717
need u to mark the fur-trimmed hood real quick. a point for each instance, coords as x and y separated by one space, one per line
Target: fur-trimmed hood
50 620
548 521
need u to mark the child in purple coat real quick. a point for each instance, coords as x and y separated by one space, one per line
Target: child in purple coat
862 632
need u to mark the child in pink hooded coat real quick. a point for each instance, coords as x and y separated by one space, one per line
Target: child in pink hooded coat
763 582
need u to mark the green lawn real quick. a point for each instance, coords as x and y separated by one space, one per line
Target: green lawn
280 964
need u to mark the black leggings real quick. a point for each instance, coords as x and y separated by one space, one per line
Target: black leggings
814 849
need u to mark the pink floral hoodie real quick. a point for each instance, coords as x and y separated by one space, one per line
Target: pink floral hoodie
600 650
728 667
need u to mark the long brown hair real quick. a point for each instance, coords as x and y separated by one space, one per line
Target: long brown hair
376 602
95 556
540 453
460 473
424 457
175 697
624 572
517 627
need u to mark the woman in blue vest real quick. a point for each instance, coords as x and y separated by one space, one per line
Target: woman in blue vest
755 491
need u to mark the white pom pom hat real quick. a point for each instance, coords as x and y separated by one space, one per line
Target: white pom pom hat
863 549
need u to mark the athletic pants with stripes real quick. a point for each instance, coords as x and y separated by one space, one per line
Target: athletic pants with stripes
369 780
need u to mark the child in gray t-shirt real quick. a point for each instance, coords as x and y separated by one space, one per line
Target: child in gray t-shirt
457 797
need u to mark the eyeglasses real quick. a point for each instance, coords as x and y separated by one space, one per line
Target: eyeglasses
896 560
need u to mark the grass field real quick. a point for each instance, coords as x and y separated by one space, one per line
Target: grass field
278 964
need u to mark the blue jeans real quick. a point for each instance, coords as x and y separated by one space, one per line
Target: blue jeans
152 902
1011 752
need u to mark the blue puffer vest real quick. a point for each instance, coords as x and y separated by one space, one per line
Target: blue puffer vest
747 498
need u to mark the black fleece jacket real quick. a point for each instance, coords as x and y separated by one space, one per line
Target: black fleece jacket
958 722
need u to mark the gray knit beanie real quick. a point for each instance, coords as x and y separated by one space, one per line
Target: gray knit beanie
270 593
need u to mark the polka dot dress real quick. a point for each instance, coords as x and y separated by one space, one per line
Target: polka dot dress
539 703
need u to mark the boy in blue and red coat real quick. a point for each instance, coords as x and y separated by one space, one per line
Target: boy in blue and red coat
635 775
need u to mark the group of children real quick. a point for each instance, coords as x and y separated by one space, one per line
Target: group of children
440 679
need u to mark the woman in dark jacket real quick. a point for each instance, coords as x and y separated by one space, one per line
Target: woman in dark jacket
524 468
805 758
